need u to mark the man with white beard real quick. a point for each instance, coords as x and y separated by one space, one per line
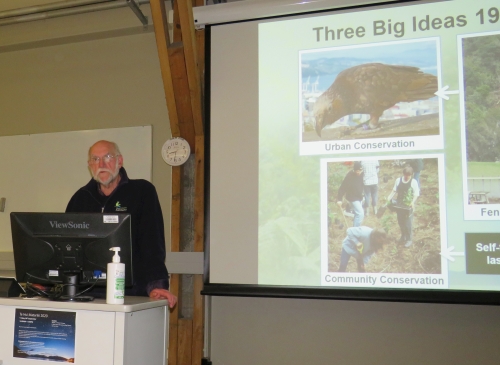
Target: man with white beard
111 191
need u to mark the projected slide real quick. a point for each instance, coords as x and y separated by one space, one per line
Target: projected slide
357 148
378 148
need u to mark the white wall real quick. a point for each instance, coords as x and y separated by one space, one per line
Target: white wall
36 176
87 72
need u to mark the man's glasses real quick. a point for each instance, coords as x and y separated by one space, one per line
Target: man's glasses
94 160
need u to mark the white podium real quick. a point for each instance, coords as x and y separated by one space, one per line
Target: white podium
108 334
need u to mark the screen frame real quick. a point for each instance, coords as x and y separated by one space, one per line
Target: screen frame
443 296
381 295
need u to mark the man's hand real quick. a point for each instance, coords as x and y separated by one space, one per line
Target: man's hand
164 294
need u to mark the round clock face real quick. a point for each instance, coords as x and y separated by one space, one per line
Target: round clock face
175 151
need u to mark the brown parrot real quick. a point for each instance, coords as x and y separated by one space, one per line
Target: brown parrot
371 88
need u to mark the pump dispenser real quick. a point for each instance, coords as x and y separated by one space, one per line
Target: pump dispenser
115 280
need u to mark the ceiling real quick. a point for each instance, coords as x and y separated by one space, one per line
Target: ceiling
18 4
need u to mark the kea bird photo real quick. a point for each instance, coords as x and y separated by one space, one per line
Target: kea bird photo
371 88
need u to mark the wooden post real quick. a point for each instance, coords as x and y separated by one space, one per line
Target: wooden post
181 70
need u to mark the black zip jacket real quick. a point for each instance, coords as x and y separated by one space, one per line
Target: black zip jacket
138 198
351 187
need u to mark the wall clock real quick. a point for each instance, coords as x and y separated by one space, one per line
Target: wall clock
175 151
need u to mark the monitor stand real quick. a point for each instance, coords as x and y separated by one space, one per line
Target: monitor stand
70 290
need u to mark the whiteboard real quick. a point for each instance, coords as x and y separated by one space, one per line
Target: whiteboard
40 172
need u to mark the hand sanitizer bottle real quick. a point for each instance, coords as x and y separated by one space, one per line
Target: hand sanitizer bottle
115 280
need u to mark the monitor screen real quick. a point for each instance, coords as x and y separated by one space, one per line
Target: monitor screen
50 247
295 103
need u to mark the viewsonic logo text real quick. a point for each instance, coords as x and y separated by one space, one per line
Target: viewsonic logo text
70 224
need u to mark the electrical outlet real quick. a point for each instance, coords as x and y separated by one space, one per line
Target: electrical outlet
2 206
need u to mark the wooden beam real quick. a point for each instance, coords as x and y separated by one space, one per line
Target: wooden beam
200 45
199 218
158 13
176 209
199 189
182 74
173 332
182 96
176 26
190 52
199 208
174 279
198 320
184 356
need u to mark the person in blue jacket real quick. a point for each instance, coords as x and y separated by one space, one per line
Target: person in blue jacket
361 242
111 191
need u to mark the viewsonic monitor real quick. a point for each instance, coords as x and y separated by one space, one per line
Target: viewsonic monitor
69 248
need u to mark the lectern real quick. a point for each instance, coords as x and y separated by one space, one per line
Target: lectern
90 333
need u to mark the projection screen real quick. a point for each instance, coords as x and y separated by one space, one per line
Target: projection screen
354 154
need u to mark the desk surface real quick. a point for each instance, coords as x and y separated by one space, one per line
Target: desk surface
132 304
